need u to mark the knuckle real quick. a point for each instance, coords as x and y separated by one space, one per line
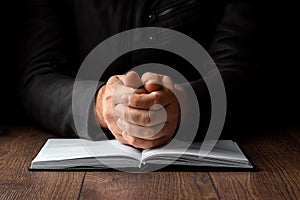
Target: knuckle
123 113
112 79
147 75
132 140
133 101
146 120
133 117
126 127
107 97
158 98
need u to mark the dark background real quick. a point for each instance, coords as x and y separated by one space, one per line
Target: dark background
274 102
10 111
280 81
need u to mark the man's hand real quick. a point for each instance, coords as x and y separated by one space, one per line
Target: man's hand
145 117
150 119
111 95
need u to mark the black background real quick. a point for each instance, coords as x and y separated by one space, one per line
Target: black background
278 101
275 102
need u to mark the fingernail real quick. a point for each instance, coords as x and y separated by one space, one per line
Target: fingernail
120 123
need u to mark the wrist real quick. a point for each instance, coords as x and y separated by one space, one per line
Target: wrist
183 103
99 107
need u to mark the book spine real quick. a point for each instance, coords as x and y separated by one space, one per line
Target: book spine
142 164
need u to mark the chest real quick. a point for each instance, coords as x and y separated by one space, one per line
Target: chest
96 20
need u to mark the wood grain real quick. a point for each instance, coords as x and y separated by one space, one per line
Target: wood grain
18 147
277 156
152 185
294 133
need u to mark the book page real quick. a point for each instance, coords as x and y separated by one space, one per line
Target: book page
175 147
63 149
223 150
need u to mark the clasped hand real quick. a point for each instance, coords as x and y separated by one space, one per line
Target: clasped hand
140 111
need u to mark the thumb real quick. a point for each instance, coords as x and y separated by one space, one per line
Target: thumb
132 79
151 86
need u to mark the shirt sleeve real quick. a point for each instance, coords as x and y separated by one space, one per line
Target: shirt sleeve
46 75
233 49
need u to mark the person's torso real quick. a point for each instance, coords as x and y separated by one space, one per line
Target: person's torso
93 21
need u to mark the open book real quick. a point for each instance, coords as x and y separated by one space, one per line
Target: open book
67 154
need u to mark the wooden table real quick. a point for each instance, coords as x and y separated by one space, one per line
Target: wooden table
277 155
